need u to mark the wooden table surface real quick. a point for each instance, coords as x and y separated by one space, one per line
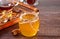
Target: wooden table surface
49 19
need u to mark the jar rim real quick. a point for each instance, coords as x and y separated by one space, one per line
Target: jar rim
35 18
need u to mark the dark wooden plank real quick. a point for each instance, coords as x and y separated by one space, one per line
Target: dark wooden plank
49 19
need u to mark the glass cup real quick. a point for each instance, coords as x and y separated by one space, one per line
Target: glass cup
8 4
31 2
29 24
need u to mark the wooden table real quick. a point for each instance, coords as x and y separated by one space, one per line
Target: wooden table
49 19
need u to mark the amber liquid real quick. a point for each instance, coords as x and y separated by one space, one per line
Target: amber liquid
6 6
31 2
29 29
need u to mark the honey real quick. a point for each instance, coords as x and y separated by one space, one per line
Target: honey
29 25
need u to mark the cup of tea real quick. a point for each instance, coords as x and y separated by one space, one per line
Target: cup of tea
30 2
7 4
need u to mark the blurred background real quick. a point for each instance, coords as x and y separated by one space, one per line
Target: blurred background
49 20
49 17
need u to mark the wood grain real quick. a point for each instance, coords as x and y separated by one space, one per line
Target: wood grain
49 19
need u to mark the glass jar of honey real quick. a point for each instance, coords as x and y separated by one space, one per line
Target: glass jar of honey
29 24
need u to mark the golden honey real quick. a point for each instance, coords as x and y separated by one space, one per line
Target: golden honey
29 25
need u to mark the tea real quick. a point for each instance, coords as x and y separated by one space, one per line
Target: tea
6 6
31 1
